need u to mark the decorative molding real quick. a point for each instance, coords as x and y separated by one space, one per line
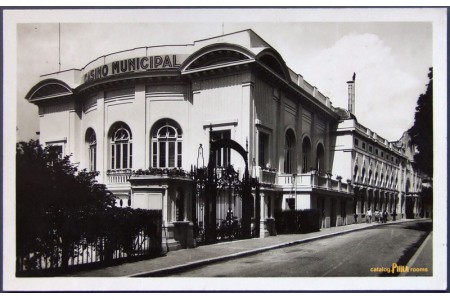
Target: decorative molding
217 123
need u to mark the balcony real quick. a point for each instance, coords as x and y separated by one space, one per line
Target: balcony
265 176
312 180
118 175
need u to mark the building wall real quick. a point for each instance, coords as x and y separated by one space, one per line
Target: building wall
223 103
51 114
341 156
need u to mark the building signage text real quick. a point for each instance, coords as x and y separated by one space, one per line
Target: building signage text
137 64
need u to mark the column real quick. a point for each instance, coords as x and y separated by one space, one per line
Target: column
165 211
262 228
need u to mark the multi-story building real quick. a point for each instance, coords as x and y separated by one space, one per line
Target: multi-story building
141 117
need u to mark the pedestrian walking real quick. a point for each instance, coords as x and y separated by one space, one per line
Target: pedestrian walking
385 216
369 216
377 216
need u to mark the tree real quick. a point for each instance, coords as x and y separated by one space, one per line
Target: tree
61 212
422 131
55 203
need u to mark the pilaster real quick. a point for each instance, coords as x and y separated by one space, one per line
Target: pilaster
140 134
102 138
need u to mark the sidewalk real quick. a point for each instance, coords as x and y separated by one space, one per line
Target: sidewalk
202 255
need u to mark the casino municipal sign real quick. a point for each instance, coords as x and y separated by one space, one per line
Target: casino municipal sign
138 64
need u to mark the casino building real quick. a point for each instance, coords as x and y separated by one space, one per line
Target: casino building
144 118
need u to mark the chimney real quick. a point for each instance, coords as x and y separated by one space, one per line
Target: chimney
351 95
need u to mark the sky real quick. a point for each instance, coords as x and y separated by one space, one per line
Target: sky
390 58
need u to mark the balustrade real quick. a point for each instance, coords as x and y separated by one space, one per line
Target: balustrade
313 180
118 176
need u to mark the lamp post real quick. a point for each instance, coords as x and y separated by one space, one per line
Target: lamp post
199 177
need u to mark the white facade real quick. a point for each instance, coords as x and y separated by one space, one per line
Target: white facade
151 108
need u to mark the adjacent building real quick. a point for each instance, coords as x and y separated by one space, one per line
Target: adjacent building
144 118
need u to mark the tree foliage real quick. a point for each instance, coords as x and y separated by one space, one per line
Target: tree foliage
59 208
53 199
422 131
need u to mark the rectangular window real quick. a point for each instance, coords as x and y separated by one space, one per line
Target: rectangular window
263 149
370 149
112 156
155 156
95 159
364 145
58 149
171 154
162 155
290 203
131 156
92 158
376 151
382 154
125 156
180 152
222 155
118 155
356 142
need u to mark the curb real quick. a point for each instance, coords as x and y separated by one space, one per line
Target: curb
195 264
418 252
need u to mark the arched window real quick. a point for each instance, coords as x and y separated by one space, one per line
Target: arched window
370 177
167 147
355 174
121 149
306 150
376 178
320 160
363 175
91 141
289 150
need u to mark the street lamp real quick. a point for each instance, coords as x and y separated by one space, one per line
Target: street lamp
200 177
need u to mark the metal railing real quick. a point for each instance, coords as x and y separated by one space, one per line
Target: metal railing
86 254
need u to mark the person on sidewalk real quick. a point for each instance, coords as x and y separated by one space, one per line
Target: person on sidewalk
385 216
369 216
377 216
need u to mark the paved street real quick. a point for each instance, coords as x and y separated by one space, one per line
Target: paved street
361 253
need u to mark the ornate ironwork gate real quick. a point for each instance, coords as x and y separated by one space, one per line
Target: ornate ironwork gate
208 180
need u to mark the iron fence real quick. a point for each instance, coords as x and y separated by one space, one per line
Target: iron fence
58 258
